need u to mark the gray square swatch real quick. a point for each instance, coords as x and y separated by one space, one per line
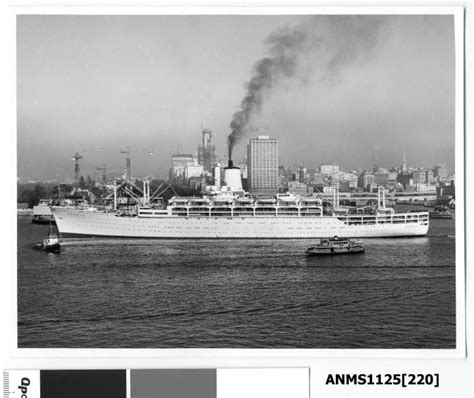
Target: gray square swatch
173 383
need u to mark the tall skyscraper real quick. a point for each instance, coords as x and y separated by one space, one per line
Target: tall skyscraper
262 160
207 151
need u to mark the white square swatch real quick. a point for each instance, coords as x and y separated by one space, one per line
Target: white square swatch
263 383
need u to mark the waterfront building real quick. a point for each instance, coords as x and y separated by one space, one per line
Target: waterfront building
372 187
446 190
365 179
430 179
282 172
392 175
369 179
317 179
350 179
196 183
262 163
328 169
193 170
330 190
406 179
332 181
393 185
301 173
381 177
345 186
283 185
419 177
244 174
297 188
440 172
179 162
282 179
242 165
216 174
310 173
425 188
315 188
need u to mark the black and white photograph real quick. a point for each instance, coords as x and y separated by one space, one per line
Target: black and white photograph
273 181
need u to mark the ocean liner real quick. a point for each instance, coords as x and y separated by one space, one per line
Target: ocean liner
231 213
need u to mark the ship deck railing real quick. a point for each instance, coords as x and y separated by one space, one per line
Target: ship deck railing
404 218
277 211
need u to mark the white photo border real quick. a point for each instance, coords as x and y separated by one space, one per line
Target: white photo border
236 356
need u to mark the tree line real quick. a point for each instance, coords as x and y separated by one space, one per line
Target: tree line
31 193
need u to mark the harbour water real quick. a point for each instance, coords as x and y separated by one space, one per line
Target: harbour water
119 293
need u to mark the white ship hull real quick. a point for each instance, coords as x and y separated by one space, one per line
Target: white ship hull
72 222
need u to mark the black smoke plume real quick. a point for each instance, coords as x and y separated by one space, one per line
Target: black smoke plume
337 41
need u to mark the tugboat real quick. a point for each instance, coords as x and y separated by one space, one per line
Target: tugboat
441 212
336 246
50 243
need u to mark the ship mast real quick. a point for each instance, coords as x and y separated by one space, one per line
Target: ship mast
146 192
115 195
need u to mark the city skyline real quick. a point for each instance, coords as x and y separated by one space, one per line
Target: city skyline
116 170
151 81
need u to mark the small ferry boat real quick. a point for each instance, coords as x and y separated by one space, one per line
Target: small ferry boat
336 246
50 243
441 212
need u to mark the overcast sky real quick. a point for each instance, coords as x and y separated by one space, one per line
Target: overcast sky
149 82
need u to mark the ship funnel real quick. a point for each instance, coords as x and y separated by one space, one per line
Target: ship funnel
232 177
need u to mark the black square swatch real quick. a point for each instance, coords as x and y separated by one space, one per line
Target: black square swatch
83 384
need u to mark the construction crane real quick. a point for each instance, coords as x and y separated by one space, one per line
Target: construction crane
104 169
126 151
76 157
128 167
